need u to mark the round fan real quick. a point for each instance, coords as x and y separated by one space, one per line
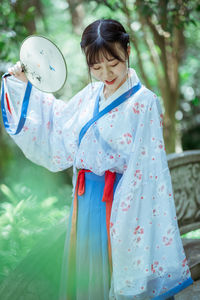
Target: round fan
43 63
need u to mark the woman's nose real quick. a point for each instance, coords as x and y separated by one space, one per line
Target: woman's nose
107 72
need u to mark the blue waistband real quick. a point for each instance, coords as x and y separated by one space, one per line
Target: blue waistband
95 177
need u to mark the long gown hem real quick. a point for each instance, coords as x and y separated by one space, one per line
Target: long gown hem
175 290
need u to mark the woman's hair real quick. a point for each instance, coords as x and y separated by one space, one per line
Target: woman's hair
100 37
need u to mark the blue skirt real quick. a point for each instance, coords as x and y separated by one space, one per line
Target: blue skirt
91 279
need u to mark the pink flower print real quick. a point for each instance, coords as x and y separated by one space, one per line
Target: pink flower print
113 110
184 262
113 232
136 108
138 174
156 268
48 125
167 241
80 101
124 167
125 205
143 151
160 145
152 269
156 211
161 189
128 137
25 128
138 230
50 101
69 158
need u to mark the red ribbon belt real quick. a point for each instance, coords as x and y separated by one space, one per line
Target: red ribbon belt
107 197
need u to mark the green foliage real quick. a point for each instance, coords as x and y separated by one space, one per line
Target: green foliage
195 234
22 222
31 202
12 31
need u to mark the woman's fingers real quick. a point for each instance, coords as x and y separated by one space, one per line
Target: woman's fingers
16 70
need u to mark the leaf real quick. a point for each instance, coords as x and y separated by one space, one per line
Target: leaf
18 207
8 193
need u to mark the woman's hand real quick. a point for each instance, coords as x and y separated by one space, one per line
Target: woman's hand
16 71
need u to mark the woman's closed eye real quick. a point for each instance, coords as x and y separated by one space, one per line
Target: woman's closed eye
115 65
98 68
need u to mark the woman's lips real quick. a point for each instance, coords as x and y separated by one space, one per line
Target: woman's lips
110 82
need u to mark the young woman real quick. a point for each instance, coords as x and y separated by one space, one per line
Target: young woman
123 240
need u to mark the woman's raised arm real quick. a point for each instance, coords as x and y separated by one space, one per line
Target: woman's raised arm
46 129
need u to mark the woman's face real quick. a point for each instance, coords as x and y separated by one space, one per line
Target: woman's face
111 71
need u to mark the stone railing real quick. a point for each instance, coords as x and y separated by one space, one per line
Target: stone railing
185 173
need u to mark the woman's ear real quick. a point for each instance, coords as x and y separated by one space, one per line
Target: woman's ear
128 50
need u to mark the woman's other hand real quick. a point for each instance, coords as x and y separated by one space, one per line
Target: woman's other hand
16 71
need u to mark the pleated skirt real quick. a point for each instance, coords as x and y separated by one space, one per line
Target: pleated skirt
91 280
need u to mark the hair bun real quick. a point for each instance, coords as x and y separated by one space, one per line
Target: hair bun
125 36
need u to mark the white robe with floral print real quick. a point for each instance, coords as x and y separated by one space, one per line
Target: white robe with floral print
147 252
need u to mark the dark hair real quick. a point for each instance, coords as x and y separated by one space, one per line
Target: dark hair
100 37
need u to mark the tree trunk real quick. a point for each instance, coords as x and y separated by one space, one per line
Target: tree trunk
27 11
76 9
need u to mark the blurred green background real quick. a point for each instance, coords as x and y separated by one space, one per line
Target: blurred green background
165 41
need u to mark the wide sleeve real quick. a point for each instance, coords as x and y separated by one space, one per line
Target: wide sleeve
46 129
147 252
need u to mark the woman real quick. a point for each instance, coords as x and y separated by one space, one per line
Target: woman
123 240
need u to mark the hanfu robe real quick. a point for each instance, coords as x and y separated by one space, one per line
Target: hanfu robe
124 135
